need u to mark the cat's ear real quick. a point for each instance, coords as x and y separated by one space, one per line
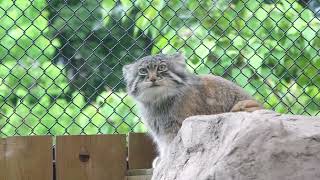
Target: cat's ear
179 57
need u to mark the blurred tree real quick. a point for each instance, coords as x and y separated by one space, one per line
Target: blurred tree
58 58
97 38
271 49
314 6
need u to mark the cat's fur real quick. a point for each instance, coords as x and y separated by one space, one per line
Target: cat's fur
168 94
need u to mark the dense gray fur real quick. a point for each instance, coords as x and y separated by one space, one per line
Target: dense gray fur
167 98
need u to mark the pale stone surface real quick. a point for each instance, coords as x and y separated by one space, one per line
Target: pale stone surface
262 145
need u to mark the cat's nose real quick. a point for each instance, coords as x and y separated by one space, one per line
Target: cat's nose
152 76
153 79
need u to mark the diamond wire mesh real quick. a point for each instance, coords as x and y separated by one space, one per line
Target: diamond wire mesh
61 61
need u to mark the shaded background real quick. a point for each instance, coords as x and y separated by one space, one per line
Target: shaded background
61 61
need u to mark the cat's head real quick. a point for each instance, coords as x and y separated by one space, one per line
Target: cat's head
156 77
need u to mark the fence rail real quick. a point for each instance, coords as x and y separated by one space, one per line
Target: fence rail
94 157
61 61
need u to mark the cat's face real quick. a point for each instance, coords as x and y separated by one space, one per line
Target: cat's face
155 77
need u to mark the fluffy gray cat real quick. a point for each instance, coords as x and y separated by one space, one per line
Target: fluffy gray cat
167 94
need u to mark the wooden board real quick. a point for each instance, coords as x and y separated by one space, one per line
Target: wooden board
142 151
139 174
98 157
136 172
2 159
28 158
141 177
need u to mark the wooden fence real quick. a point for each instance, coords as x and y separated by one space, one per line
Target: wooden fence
83 157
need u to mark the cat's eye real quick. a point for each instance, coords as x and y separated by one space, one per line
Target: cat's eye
143 71
162 67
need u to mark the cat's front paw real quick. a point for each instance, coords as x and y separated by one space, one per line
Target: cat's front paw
156 161
246 105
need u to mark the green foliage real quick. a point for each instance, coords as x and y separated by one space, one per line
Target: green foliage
96 39
35 93
270 49
61 62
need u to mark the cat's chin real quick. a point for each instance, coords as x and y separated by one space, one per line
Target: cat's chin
156 93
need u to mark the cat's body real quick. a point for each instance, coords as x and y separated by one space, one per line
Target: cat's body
205 95
178 95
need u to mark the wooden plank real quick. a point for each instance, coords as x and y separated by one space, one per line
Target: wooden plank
29 158
139 174
136 172
98 157
140 177
2 159
142 151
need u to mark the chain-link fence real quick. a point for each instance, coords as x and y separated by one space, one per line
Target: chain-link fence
61 61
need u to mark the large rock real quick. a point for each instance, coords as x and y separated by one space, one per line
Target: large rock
259 145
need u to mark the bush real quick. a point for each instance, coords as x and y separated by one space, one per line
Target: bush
61 62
